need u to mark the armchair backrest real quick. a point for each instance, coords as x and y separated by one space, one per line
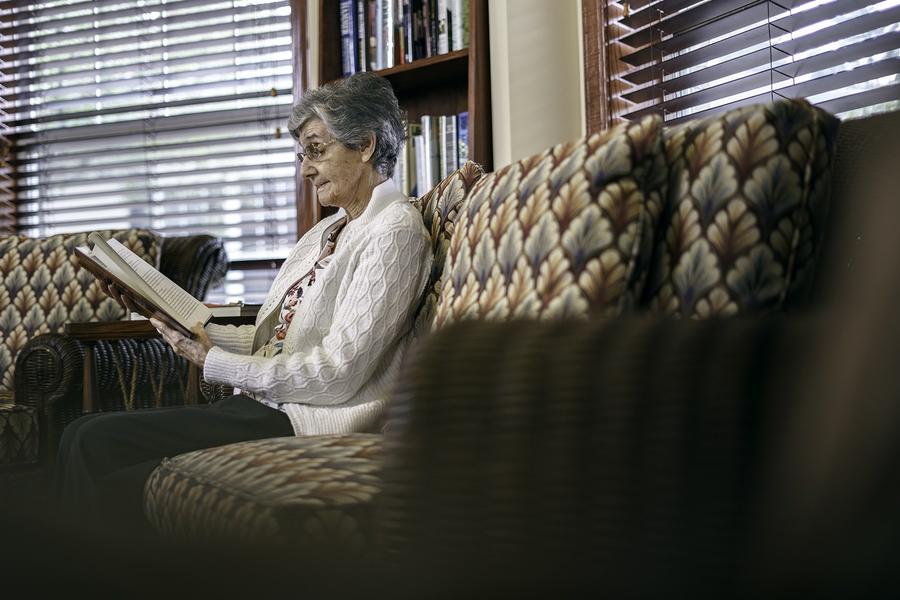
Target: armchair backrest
195 262
42 288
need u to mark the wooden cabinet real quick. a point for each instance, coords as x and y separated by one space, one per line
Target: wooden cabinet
444 84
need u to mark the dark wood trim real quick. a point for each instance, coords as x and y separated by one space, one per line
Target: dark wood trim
307 207
480 123
596 70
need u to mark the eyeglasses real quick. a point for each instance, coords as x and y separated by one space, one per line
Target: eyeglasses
314 151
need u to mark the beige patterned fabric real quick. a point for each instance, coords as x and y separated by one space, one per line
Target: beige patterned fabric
440 209
748 194
559 233
304 490
42 288
19 434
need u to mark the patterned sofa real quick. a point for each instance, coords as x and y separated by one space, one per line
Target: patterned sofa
716 218
41 290
571 289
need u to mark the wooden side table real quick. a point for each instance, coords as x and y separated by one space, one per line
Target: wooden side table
91 333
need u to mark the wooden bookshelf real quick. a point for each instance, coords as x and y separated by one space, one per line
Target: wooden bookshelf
444 84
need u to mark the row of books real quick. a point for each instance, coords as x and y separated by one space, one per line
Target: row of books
435 147
379 34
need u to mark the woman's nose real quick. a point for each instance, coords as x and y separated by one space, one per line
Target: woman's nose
306 168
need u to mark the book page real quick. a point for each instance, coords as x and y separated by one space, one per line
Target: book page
181 305
106 256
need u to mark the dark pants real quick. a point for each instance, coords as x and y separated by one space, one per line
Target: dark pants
105 458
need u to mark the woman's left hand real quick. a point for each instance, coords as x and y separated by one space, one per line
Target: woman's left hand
194 350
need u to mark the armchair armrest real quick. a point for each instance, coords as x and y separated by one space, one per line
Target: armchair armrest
195 262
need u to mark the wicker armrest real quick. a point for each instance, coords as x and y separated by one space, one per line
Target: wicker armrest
130 373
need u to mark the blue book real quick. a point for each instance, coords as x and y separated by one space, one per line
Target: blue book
346 39
462 134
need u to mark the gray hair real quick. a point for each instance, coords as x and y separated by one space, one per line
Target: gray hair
351 109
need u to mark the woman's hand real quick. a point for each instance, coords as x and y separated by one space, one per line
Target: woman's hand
194 350
123 300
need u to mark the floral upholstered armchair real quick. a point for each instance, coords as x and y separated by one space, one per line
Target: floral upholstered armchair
41 369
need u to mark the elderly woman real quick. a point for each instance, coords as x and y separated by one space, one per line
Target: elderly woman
330 336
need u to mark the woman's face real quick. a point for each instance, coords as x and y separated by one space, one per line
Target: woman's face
338 171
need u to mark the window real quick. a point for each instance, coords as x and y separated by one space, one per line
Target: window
167 114
689 58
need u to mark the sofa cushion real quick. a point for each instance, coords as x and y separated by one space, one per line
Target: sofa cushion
748 194
558 233
42 288
302 491
440 209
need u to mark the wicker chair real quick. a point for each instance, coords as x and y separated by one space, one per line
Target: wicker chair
130 373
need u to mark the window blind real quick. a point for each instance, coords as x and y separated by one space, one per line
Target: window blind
689 58
167 114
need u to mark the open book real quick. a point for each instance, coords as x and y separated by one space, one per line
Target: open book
145 286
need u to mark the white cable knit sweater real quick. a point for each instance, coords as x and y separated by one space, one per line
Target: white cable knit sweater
344 346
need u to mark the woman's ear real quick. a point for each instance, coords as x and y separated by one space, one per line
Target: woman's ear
369 149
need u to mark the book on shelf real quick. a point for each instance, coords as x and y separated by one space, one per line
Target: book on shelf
462 136
458 21
421 176
372 34
362 38
448 145
348 37
413 131
149 289
379 34
443 39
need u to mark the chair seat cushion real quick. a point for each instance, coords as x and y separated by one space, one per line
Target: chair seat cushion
19 438
302 491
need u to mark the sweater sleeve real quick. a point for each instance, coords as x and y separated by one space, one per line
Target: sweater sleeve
373 314
237 339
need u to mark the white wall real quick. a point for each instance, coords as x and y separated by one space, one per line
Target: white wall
536 75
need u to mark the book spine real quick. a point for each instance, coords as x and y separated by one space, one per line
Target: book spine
379 33
456 24
407 27
442 146
387 33
426 164
418 28
451 146
430 29
362 39
412 157
346 43
421 175
462 135
399 34
443 45
464 22
434 148
372 33
399 176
